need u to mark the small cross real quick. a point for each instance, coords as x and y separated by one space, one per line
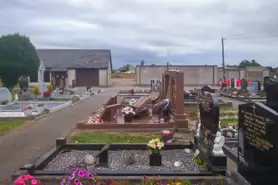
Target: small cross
254 108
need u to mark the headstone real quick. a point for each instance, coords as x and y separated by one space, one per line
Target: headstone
42 87
5 95
12 114
232 83
271 88
208 88
209 115
244 85
255 87
109 112
257 150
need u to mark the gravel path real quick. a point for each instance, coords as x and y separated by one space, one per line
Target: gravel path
25 146
118 159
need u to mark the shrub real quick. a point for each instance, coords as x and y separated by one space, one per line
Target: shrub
50 88
37 90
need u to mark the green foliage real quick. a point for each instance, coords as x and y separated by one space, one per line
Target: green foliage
50 88
200 162
18 57
246 63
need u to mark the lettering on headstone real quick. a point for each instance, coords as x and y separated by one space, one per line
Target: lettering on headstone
209 115
258 130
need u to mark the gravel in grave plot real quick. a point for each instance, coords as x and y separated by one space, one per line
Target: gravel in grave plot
117 160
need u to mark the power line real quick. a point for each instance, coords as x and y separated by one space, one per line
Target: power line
247 38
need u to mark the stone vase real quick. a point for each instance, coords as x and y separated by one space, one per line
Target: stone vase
155 159
28 112
128 118
40 109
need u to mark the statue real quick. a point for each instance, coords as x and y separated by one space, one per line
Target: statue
219 142
23 84
198 130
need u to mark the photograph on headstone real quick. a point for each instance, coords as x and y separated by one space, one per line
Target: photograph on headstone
257 151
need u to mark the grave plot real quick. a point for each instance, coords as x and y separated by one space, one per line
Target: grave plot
253 93
153 111
118 161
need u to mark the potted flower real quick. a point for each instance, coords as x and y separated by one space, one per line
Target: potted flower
155 146
128 114
132 101
167 135
47 94
27 109
40 107
94 120
132 91
37 91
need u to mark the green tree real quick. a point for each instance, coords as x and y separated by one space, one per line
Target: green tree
142 62
18 57
245 63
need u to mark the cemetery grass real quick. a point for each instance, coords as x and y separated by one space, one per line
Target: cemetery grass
8 126
102 137
229 121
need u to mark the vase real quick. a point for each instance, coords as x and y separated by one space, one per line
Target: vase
155 160
40 109
28 112
128 118
166 138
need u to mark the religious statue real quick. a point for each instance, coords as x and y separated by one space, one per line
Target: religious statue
23 84
218 144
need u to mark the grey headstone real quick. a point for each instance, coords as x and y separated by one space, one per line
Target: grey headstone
5 94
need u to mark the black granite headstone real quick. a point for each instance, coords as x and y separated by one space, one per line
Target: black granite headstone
257 150
244 85
209 115
232 83
207 88
267 81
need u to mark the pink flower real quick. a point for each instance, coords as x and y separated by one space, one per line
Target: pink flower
19 181
90 176
28 177
36 182
81 174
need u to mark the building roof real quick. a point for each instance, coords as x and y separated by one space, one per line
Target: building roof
75 58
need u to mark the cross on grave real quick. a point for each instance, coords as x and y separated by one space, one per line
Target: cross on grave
254 108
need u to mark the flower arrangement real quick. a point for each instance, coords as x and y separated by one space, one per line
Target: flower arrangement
128 111
94 120
26 180
167 133
132 101
82 177
155 145
47 94
131 91
27 107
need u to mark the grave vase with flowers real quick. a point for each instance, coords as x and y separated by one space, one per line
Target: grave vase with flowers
128 114
27 109
167 135
155 146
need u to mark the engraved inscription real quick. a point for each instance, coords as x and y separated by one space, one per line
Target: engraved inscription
255 130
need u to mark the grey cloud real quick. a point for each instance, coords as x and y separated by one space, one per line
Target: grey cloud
141 29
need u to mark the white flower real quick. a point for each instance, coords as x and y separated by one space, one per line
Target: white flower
128 110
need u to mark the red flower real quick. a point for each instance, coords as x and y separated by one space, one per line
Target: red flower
132 91
47 93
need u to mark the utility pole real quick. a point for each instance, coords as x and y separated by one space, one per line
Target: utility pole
223 59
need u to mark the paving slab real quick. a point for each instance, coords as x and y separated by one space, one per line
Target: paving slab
27 145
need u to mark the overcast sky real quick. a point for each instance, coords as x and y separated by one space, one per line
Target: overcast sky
184 32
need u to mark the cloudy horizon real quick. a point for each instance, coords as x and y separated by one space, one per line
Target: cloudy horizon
182 32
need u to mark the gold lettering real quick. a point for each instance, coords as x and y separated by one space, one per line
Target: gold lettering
255 130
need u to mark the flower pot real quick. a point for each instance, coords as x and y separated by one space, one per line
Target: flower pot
128 118
28 112
40 109
155 160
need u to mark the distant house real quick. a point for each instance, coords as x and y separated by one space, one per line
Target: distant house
75 67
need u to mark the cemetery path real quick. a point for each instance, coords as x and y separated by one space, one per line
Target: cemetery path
19 148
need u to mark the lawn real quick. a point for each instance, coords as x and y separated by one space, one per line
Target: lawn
231 121
7 126
109 137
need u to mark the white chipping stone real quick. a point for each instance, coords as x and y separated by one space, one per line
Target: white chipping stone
177 163
89 159
197 152
187 151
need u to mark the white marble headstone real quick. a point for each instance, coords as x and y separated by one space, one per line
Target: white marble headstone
5 95
12 114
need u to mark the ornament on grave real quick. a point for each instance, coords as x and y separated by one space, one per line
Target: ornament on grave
163 109
198 130
218 144
23 84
